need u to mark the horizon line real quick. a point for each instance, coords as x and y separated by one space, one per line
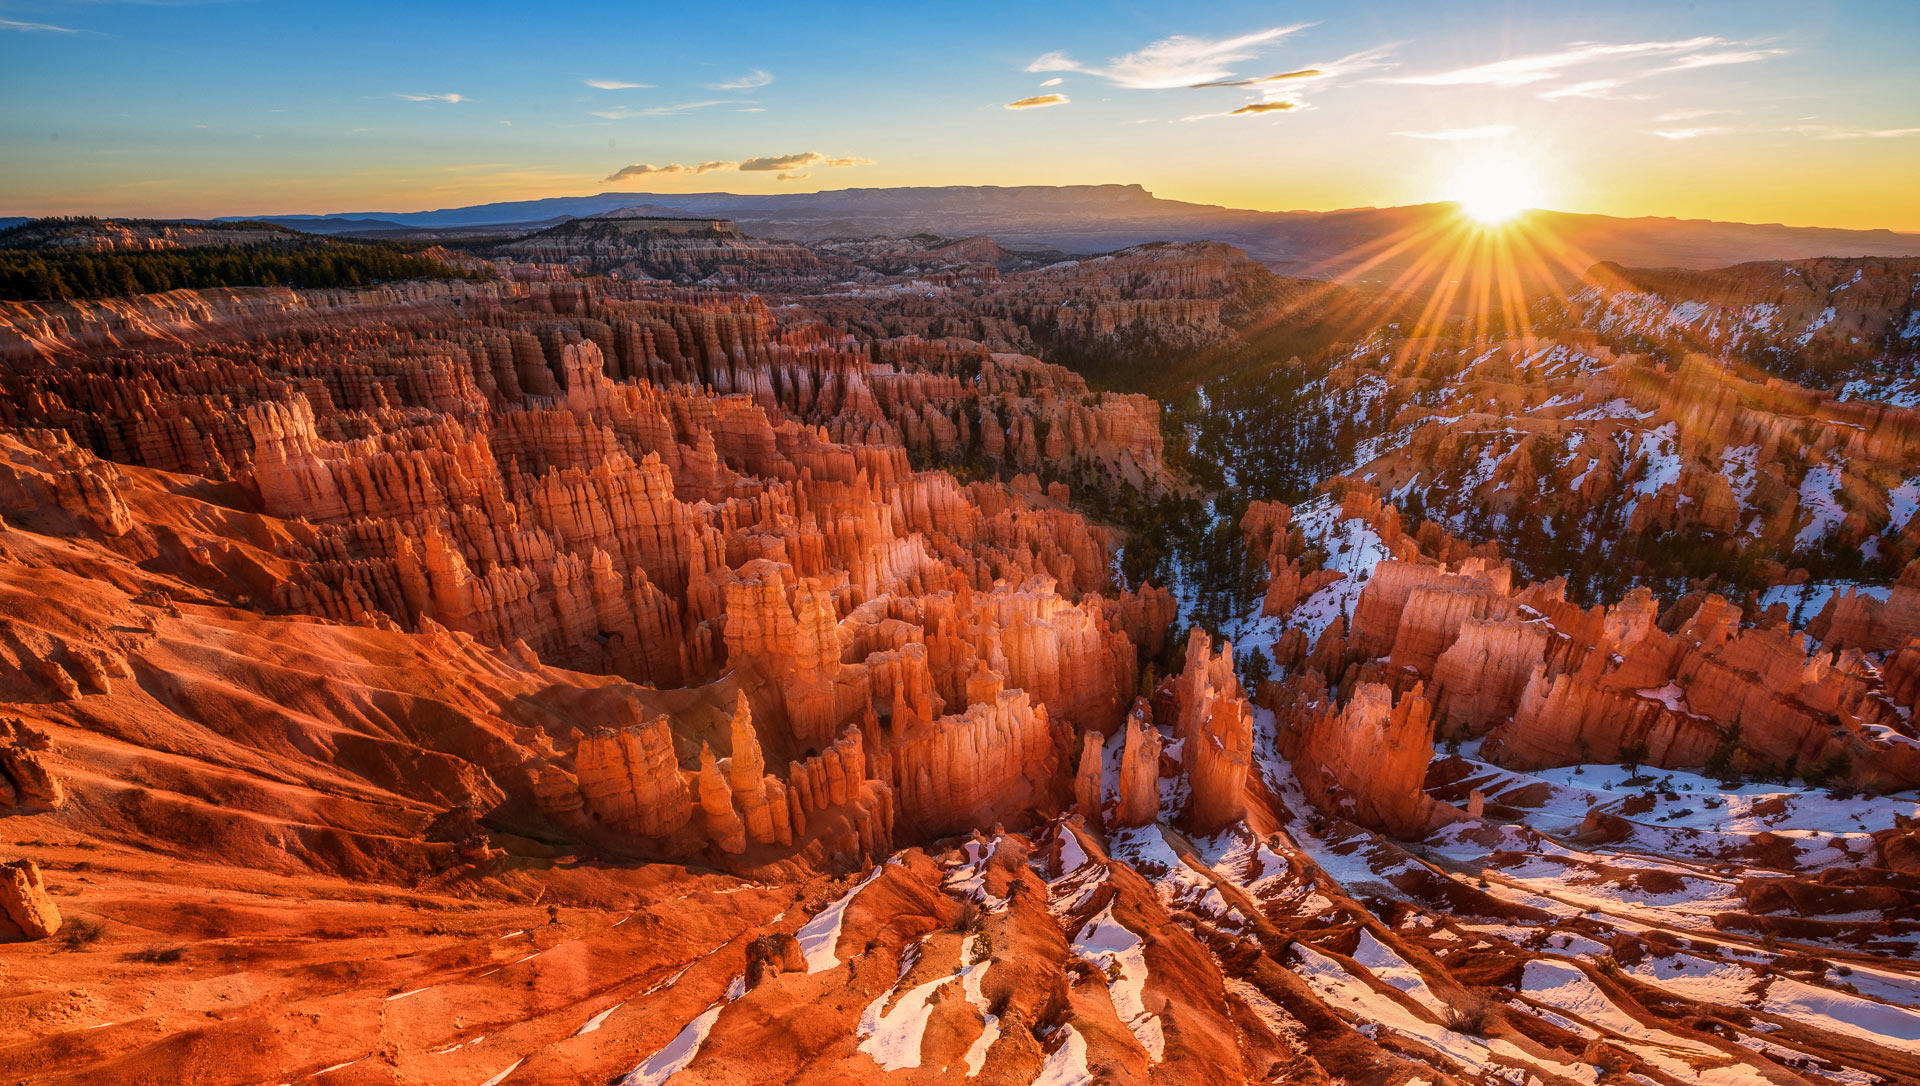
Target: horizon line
911 188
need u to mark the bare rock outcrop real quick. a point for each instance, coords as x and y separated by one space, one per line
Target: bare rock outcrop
26 911
1215 729
1367 760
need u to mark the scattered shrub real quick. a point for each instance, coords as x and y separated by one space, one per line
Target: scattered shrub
80 932
154 955
983 945
1472 1014
969 917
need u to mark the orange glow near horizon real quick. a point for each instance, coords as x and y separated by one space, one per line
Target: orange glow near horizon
1477 273
1493 190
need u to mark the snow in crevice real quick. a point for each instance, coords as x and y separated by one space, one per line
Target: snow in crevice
892 1034
1660 451
1122 956
1066 1065
971 977
1825 318
1352 547
1740 467
1818 504
678 1053
820 937
1903 502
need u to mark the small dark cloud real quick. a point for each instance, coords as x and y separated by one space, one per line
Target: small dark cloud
1304 73
781 163
1264 107
788 167
644 170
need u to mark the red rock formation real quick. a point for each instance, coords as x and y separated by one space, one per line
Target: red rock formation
1556 685
630 779
1367 761
1855 620
1139 768
25 781
1087 779
1145 615
1478 680
26 912
1215 729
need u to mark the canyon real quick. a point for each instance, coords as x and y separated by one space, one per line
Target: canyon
685 652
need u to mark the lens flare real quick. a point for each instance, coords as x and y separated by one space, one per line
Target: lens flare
1494 190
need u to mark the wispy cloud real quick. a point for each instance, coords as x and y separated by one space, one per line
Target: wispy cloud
1689 133
1591 88
614 84
1831 132
1054 82
1674 115
1039 101
753 80
788 167
621 113
1682 55
1539 67
38 28
1715 60
450 98
1482 132
1179 61
794 175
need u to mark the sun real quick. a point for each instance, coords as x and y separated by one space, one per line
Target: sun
1493 190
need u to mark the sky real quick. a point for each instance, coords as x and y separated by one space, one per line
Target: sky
1806 113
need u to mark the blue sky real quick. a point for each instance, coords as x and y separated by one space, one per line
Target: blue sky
1799 112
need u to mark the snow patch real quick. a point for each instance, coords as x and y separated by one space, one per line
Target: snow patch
820 938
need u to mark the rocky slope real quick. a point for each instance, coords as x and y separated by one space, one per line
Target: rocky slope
1584 459
1845 324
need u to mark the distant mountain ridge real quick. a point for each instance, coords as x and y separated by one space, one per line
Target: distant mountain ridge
1100 218
869 200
